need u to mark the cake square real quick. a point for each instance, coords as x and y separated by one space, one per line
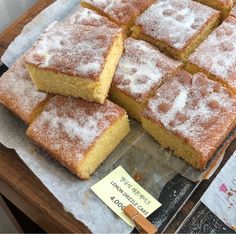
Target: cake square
141 69
216 56
79 134
233 12
123 13
75 60
88 17
191 115
224 6
18 94
176 27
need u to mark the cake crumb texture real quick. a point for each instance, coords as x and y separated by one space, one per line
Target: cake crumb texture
88 17
70 129
217 55
191 115
121 12
17 92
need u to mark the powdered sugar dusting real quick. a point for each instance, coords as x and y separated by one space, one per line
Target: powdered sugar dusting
18 91
175 22
196 108
141 68
76 50
218 53
233 12
71 126
90 18
120 11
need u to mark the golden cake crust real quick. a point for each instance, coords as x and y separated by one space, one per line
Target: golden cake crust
88 17
222 5
141 69
18 94
175 22
198 110
217 54
121 12
68 128
74 50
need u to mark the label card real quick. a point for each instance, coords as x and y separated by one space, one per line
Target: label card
118 189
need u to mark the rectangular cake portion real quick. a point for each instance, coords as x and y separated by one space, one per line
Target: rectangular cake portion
88 17
224 6
76 60
141 70
18 94
79 134
176 27
123 13
216 56
192 116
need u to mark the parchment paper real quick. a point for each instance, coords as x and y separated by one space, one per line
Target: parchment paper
137 153
31 32
220 197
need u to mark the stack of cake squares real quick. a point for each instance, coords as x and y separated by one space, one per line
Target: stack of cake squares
169 64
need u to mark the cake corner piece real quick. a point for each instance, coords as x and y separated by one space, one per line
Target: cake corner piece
57 66
17 93
192 116
162 25
79 134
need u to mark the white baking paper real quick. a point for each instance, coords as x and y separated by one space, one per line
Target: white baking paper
75 194
220 197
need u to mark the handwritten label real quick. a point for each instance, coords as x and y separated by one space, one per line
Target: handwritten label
118 189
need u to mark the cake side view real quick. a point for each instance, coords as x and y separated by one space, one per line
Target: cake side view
79 134
176 27
75 60
192 116
18 94
123 13
141 70
88 17
216 56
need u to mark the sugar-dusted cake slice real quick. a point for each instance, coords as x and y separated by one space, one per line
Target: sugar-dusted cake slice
18 94
79 134
76 60
123 13
141 69
88 17
216 56
192 116
224 6
233 12
176 27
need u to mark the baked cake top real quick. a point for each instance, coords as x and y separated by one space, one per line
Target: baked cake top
17 88
196 108
75 50
217 54
175 22
141 68
69 127
122 12
90 18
